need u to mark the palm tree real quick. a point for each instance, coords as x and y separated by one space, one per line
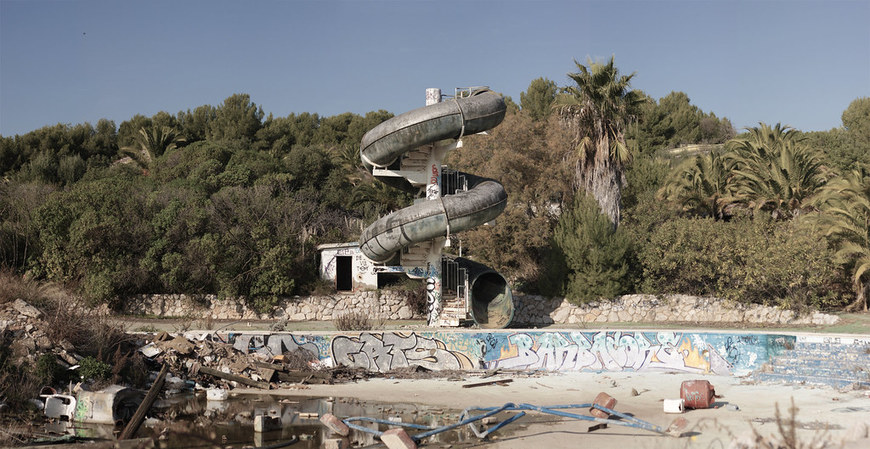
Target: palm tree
845 213
597 112
774 171
151 144
701 185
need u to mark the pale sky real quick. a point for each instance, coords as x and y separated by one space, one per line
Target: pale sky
798 63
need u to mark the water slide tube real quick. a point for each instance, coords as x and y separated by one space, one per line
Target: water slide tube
426 220
484 200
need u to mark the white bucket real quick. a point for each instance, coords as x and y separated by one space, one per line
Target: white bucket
674 406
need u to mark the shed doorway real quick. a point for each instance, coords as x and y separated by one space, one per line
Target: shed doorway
344 273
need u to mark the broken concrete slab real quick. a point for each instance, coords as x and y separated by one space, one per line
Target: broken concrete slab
334 424
398 439
263 423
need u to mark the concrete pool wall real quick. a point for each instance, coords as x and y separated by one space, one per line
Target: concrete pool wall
718 353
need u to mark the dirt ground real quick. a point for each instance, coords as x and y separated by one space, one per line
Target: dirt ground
824 415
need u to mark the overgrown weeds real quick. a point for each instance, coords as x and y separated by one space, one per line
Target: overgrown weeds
353 321
414 291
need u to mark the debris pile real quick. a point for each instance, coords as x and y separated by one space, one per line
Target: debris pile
211 362
24 331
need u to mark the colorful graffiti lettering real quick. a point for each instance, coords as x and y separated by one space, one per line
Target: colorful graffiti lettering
272 344
608 351
433 299
390 350
699 353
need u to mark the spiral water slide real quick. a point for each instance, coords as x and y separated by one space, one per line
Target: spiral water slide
483 201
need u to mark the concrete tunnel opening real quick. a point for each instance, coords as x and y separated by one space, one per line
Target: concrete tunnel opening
492 303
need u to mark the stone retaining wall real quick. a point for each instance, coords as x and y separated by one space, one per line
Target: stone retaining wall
379 305
537 310
529 310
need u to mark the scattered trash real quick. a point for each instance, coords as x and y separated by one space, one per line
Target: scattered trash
150 350
217 394
107 406
674 406
60 406
697 394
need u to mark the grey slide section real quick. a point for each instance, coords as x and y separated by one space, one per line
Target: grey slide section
402 133
426 220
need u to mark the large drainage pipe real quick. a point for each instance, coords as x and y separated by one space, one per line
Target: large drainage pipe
492 304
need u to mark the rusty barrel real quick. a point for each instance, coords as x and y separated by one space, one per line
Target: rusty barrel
697 393
605 400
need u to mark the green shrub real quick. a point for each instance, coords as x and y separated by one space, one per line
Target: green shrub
748 261
92 369
48 370
595 254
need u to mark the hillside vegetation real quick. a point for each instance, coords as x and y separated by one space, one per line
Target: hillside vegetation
229 200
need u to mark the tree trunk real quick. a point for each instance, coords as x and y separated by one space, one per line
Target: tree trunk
603 180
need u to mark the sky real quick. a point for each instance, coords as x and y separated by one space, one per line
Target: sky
799 63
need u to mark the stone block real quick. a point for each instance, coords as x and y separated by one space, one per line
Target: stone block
334 424
398 439
335 443
263 423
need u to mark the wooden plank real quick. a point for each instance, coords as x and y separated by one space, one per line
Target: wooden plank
491 382
240 379
146 404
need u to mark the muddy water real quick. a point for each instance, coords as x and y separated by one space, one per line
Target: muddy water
194 421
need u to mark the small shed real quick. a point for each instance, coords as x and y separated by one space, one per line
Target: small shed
344 264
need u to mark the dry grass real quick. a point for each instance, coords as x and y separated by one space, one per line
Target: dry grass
68 323
354 321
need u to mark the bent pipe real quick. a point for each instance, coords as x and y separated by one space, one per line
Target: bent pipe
492 303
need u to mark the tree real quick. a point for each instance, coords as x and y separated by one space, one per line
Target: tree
195 124
538 100
774 171
594 252
701 185
598 110
237 119
526 157
845 217
856 118
151 143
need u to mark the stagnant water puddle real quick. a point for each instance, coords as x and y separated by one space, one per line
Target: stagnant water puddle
191 420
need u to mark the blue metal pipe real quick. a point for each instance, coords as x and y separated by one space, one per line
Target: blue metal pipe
467 419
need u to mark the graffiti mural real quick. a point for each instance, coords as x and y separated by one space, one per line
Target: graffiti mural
273 344
391 350
433 299
608 351
699 353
